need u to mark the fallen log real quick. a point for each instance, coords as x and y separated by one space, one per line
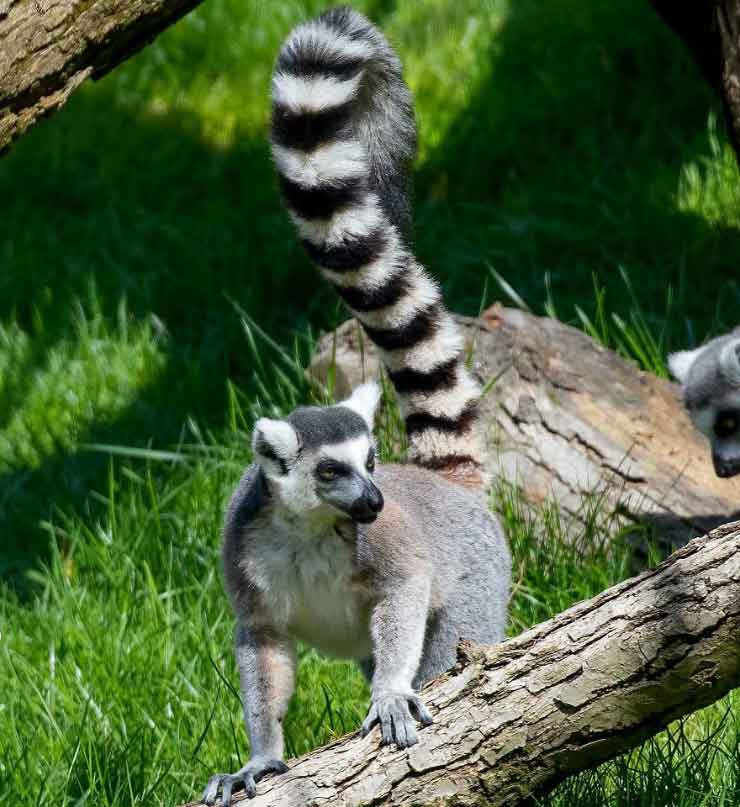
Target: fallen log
570 421
49 47
515 719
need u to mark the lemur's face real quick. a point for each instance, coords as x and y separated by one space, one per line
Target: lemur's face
720 422
343 476
320 460
710 377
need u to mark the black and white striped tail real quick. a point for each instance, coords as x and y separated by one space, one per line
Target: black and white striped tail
343 135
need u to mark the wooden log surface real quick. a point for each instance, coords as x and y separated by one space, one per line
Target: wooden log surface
571 421
49 47
515 719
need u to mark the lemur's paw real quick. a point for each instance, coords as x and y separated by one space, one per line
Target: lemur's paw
397 713
244 779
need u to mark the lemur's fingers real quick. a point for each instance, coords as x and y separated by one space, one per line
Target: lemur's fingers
403 724
386 722
211 791
397 715
420 711
246 778
369 721
250 786
226 788
272 766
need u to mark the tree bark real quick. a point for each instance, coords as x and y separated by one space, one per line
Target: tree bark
49 47
515 719
711 30
573 422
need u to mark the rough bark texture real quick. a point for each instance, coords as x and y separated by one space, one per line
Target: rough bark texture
573 422
711 30
517 718
49 47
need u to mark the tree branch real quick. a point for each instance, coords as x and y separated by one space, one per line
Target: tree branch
515 719
49 47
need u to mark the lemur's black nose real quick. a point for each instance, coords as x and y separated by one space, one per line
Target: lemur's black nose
366 507
725 468
375 499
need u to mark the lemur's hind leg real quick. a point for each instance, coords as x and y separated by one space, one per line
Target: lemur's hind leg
367 668
266 662
440 647
477 614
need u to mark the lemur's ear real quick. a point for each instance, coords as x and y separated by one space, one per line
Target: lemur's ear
275 444
680 363
729 361
364 400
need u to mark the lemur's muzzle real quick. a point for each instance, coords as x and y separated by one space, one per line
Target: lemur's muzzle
724 467
365 509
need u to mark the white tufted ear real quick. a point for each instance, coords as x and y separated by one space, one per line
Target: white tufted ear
275 445
729 361
364 400
680 363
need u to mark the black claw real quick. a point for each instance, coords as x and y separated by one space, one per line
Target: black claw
250 786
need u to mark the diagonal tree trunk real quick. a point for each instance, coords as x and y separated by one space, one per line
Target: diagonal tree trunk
711 30
515 719
49 47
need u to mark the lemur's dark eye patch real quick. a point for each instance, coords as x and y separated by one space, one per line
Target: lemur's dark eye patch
726 424
267 451
370 463
327 470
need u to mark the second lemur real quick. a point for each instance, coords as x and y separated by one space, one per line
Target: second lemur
710 382
390 565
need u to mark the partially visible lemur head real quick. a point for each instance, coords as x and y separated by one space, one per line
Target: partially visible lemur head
710 377
320 460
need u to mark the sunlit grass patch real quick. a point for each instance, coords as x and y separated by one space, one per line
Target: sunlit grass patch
710 184
50 398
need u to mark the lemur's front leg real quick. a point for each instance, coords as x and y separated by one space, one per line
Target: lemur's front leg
266 661
398 624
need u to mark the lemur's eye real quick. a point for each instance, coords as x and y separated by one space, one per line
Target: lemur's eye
370 464
726 424
329 470
326 472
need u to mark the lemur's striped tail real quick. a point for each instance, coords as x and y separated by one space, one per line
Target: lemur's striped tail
343 135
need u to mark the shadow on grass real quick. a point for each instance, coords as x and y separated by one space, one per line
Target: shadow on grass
566 161
149 213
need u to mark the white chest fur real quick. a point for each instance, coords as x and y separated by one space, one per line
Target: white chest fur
306 583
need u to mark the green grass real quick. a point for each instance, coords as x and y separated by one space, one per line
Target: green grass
568 147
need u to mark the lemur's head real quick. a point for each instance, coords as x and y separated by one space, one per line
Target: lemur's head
321 459
710 377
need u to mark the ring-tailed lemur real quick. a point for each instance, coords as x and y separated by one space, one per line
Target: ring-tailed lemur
390 566
710 378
